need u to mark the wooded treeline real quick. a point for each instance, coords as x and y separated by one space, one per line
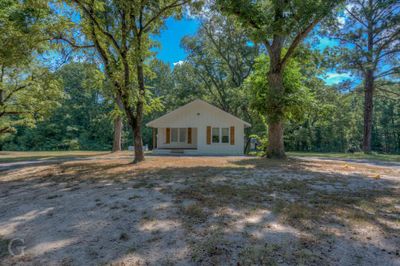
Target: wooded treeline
258 60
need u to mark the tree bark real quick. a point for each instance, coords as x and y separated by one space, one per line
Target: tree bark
117 134
138 142
276 147
137 131
275 140
368 110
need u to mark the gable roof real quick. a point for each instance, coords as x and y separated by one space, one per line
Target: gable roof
167 115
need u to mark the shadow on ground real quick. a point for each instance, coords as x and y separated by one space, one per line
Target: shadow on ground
171 210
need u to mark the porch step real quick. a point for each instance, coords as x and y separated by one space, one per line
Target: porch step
177 151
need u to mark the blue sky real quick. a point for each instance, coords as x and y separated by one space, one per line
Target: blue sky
170 38
171 52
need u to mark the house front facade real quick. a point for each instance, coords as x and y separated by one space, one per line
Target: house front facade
198 128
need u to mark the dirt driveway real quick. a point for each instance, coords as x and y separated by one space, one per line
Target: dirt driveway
200 210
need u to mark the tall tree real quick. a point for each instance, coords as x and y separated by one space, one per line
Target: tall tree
120 31
28 90
369 33
221 56
81 121
281 25
118 126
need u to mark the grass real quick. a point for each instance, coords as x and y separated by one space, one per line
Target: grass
18 156
249 211
209 248
194 213
356 155
258 255
3 247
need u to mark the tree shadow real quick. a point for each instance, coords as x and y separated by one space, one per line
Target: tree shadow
245 210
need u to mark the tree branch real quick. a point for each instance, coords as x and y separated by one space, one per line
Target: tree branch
71 43
298 39
161 11
90 15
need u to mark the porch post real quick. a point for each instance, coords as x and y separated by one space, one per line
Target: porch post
154 138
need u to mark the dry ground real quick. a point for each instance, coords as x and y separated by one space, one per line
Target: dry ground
201 210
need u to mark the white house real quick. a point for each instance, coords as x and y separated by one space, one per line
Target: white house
198 128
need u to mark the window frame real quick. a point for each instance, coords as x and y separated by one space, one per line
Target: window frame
185 135
177 135
220 136
212 135
228 135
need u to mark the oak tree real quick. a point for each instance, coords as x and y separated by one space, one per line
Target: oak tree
281 25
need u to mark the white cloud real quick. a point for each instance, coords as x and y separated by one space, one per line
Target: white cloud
334 75
341 20
335 78
350 7
180 62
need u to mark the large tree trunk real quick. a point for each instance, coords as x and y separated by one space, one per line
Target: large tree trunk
117 134
276 147
135 125
137 133
138 142
368 110
275 140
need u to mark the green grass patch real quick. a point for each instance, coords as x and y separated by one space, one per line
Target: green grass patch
194 213
357 155
3 247
18 156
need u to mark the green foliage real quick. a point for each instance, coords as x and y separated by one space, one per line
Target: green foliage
220 57
297 98
22 31
262 148
280 26
28 91
266 18
368 33
80 122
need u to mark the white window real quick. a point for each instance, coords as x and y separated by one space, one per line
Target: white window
182 135
225 135
215 134
174 135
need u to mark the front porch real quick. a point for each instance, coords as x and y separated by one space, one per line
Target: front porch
175 140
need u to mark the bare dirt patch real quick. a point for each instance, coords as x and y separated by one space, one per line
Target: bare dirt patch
201 210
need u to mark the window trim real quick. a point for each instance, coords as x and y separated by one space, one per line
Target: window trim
229 133
185 134
177 135
220 135
212 135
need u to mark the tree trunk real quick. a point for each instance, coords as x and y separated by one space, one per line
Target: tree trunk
368 110
137 133
138 142
275 140
117 134
276 147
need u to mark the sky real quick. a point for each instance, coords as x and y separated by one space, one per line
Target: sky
171 52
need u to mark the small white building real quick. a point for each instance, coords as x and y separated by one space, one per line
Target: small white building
198 128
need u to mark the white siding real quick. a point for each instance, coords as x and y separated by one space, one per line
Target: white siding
161 140
199 115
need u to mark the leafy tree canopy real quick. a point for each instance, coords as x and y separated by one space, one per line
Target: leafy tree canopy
28 91
297 98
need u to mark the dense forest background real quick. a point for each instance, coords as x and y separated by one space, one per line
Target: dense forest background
75 105
332 124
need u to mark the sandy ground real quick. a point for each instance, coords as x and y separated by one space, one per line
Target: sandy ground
200 211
